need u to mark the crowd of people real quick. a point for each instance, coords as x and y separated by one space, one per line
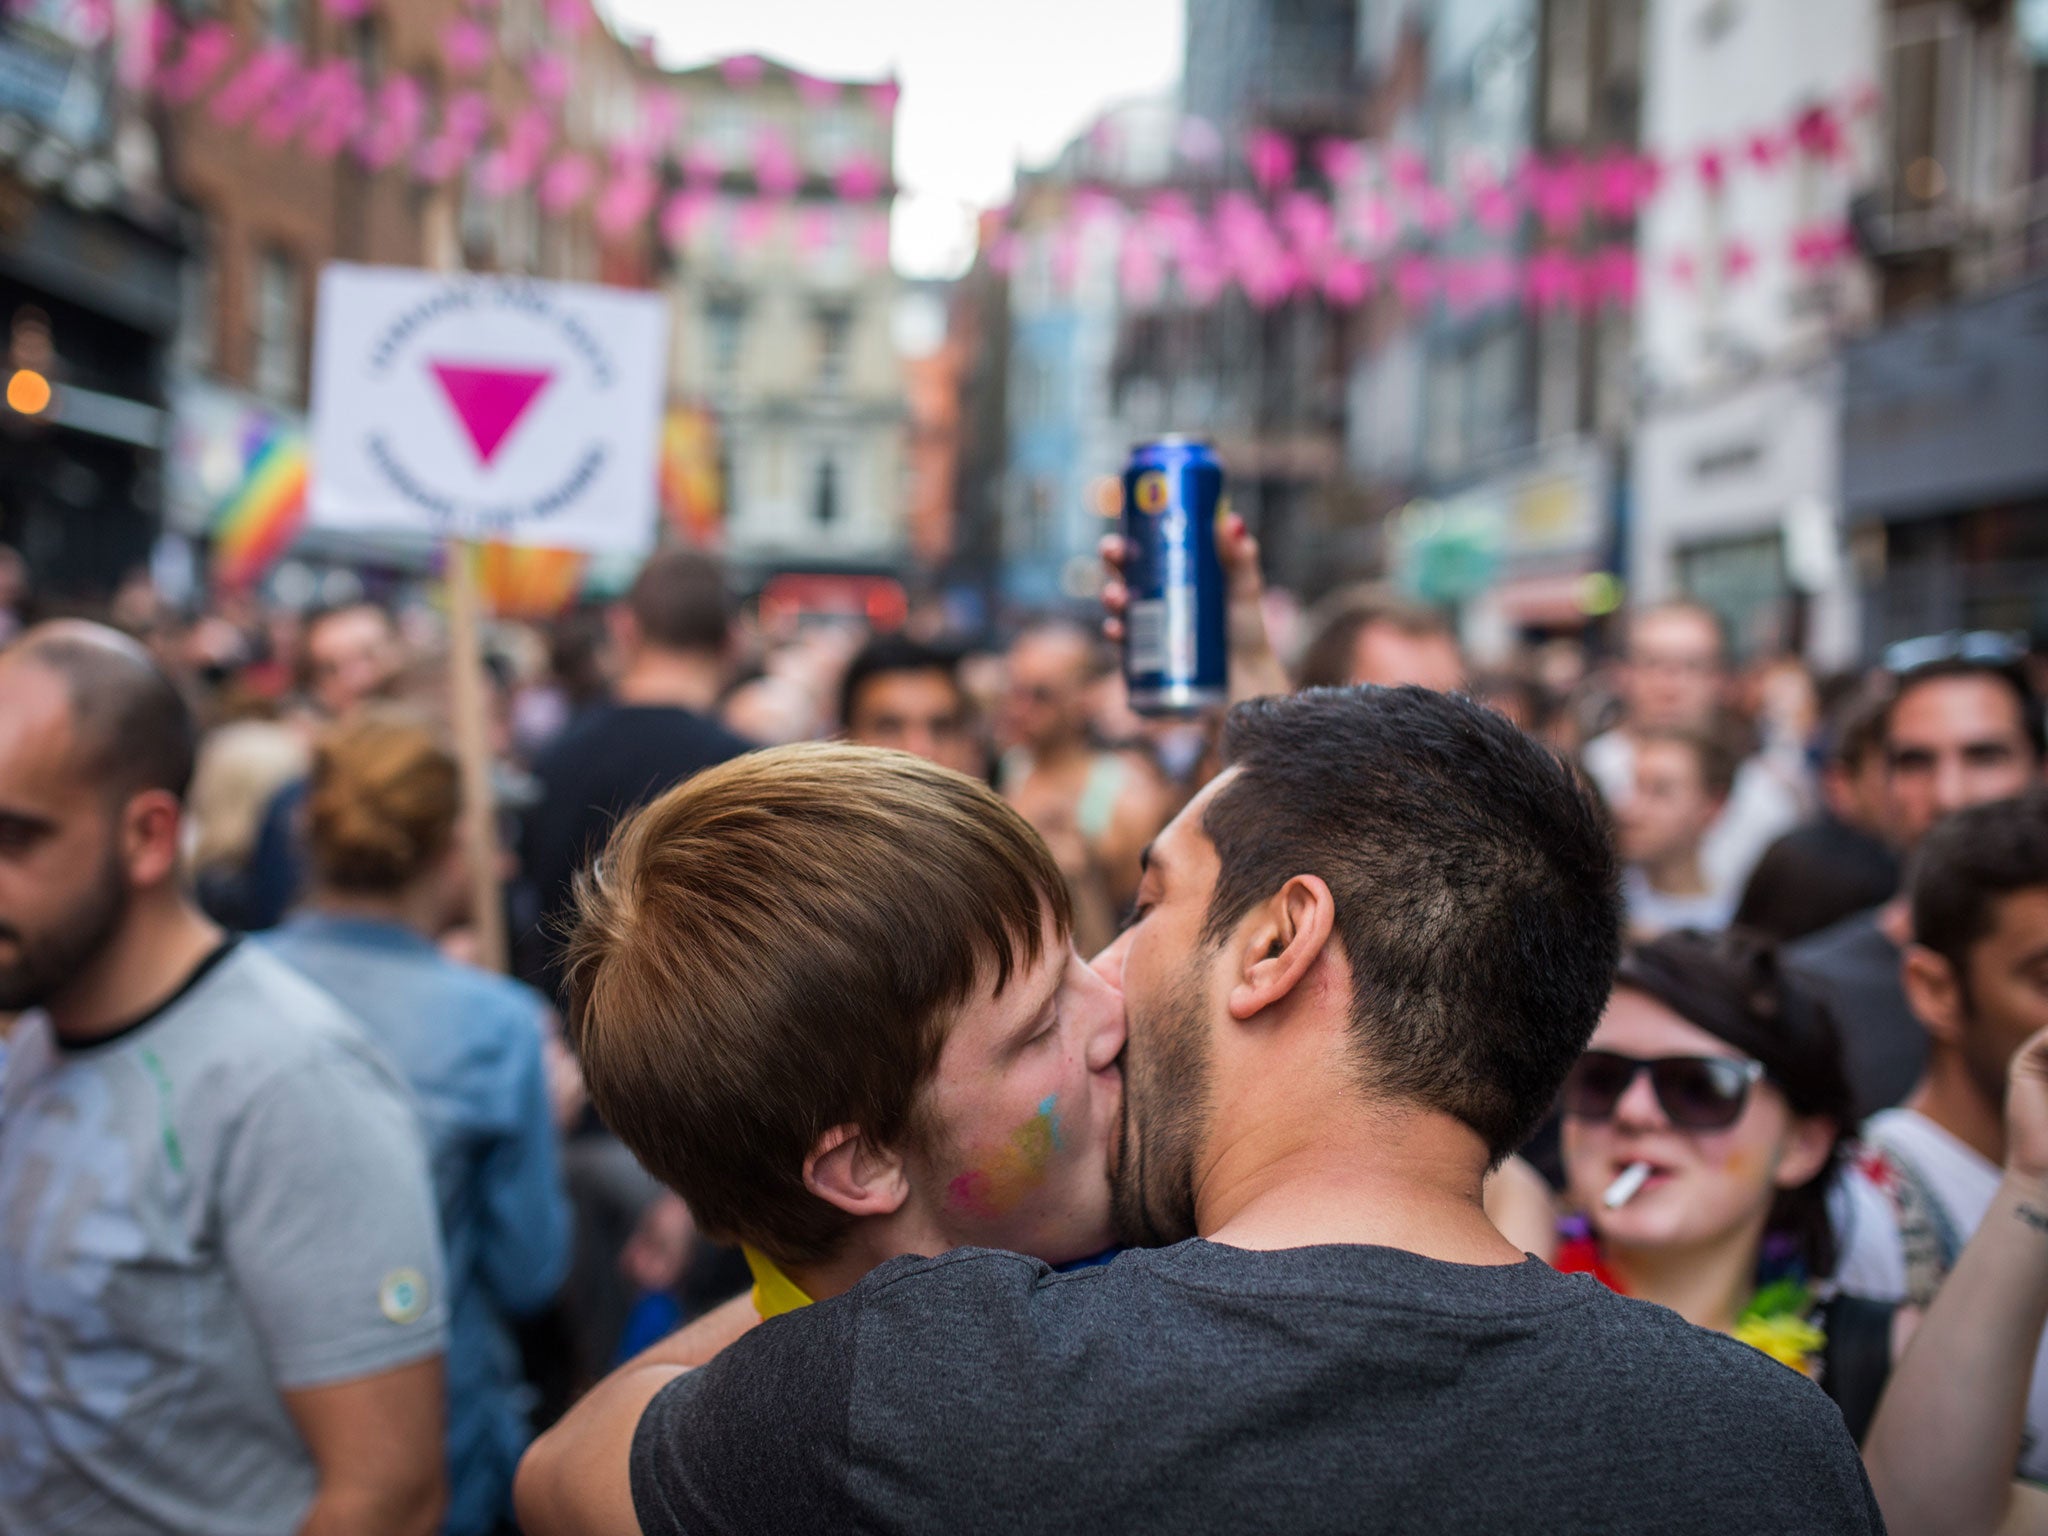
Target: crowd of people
1195 1123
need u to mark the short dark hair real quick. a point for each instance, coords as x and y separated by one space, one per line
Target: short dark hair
1856 724
1477 892
1735 986
1335 624
680 602
133 729
887 654
1967 863
2013 677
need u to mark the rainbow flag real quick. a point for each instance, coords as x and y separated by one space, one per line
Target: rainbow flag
692 494
257 524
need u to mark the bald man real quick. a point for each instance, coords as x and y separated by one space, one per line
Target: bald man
220 1277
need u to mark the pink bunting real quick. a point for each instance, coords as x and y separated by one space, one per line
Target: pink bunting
517 160
1611 278
1407 168
1270 156
549 75
874 241
252 86
629 195
1203 276
741 71
660 115
1494 208
859 179
1819 246
1347 281
1340 161
1415 279
701 168
289 106
1140 274
776 171
1002 255
1712 168
815 92
882 97
1551 279
394 123
1556 190
1764 149
753 224
1196 139
466 46
1683 269
464 121
683 215
336 109
1065 260
1435 211
1818 132
567 183
813 229
570 18
144 44
1738 261
1617 185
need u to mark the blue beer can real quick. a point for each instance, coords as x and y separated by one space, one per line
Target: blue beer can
1175 641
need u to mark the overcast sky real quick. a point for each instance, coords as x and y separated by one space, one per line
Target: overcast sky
986 83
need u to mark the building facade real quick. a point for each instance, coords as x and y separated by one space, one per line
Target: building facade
783 305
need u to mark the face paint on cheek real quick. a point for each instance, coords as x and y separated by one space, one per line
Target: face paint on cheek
994 1190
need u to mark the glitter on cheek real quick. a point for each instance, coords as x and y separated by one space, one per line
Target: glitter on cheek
996 1189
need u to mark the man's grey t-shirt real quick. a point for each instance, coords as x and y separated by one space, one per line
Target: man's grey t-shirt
1855 966
1207 1388
226 1201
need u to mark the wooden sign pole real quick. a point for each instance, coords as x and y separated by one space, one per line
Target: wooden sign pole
473 752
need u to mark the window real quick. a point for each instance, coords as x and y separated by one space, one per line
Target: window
835 331
279 313
825 493
724 327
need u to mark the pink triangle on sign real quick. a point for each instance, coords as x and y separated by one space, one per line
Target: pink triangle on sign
489 401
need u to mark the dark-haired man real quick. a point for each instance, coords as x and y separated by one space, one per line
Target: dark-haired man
1958 732
220 1299
1976 975
905 695
1363 959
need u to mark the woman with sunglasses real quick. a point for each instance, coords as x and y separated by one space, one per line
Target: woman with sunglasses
1701 1132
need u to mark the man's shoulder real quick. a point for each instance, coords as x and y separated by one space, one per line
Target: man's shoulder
1847 945
256 1019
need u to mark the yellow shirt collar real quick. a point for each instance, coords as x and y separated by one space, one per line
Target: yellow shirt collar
774 1292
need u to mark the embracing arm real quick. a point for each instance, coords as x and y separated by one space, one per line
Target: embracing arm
1947 1434
576 1479
377 1446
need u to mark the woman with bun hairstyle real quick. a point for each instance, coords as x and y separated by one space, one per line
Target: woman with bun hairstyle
1702 1130
389 877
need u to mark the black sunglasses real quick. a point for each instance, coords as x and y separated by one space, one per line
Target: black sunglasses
1696 1093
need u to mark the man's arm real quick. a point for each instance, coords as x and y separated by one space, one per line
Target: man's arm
1255 668
576 1480
1947 1434
377 1443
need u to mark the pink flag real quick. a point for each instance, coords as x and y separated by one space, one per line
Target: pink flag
549 75
874 241
683 215
753 225
1196 139
776 170
1066 256
660 115
1738 262
1493 205
1551 279
1818 132
567 183
628 197
1310 226
1202 275
252 86
288 107
208 47
1435 211
859 179
571 18
1711 165
1764 149
882 96
1002 254
742 71
1407 167
145 42
1415 279
1347 281
395 122
1683 269
336 111
1618 276
813 230
1617 185
1138 270
1556 187
815 92
1340 161
1270 156
465 46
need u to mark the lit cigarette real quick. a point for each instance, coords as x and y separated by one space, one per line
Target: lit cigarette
1626 1187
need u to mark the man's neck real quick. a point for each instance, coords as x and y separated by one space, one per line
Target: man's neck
1707 1286
1949 1097
679 679
1677 875
159 944
1387 1175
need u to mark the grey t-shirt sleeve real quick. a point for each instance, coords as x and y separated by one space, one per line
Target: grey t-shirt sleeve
757 1439
330 1227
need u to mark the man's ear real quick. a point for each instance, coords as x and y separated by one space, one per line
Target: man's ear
150 837
1934 992
1279 942
853 1173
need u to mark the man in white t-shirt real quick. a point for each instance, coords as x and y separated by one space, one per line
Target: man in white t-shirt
1977 977
1681 783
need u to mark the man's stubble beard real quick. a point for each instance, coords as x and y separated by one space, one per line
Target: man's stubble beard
1165 1122
52 962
